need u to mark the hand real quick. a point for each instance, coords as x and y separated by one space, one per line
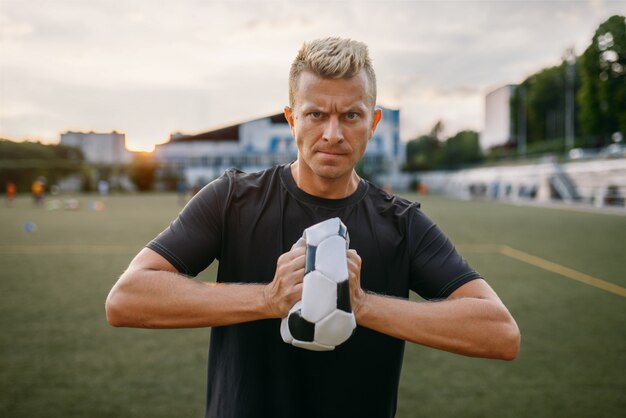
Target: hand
357 294
286 288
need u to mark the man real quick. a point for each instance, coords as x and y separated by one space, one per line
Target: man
11 191
249 223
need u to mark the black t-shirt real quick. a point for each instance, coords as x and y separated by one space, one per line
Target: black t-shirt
246 221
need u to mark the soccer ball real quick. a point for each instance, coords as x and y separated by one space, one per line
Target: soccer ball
323 319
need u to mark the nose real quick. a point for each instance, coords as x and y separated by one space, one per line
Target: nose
332 131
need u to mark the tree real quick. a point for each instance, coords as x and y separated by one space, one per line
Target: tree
23 162
602 95
143 171
462 148
544 104
422 153
437 130
428 152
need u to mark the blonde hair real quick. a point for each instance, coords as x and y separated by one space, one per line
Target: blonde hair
332 58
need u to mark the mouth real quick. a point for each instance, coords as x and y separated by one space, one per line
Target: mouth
332 153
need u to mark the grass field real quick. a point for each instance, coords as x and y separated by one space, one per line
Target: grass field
561 273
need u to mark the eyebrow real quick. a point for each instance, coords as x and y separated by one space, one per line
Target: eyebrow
310 107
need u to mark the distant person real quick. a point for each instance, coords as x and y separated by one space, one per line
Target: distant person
250 223
422 188
38 189
103 188
11 192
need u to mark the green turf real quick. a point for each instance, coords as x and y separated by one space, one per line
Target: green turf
59 358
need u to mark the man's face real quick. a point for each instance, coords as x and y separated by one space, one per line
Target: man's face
332 121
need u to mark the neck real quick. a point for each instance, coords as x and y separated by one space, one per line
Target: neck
323 187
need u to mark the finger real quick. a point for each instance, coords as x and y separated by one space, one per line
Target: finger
353 255
301 243
296 294
292 278
291 255
296 252
354 260
297 276
297 263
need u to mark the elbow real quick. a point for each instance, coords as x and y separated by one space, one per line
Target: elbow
511 342
118 306
125 306
114 312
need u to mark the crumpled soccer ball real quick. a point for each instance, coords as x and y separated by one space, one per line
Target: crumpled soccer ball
323 319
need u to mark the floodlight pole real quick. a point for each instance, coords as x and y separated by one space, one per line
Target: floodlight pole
570 72
521 121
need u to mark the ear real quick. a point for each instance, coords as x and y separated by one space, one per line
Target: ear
289 116
378 115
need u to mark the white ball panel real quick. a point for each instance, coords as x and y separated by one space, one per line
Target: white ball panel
330 258
312 346
319 296
335 328
318 232
284 331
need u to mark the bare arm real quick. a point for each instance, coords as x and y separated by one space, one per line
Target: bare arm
473 321
152 294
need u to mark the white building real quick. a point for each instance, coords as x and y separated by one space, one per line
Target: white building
261 143
497 130
99 148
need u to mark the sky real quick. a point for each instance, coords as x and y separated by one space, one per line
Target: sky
149 68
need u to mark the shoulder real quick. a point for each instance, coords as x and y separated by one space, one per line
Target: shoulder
238 187
235 181
252 179
390 204
392 216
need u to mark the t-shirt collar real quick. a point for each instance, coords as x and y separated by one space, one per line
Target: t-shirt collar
290 184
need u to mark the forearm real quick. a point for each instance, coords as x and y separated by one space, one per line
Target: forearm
469 326
161 299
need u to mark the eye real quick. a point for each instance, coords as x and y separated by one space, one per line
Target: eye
352 115
315 115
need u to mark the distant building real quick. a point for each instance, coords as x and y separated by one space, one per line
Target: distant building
498 126
99 148
261 143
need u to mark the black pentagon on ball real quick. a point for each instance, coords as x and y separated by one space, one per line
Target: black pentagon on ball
309 264
343 296
300 328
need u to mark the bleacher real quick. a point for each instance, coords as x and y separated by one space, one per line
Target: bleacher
600 182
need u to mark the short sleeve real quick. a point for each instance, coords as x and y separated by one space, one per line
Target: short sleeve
193 240
437 269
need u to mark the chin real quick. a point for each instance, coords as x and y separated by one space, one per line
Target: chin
331 173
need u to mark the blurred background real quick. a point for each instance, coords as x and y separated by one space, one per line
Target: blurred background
154 95
509 114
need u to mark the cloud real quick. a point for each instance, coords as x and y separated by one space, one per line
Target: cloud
152 67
